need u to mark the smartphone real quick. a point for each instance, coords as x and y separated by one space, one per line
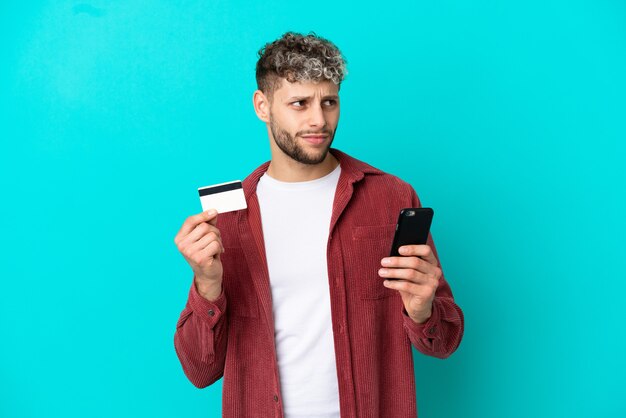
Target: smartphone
412 228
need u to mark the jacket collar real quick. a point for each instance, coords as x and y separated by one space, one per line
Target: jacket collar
352 170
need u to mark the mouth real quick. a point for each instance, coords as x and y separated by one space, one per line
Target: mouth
314 139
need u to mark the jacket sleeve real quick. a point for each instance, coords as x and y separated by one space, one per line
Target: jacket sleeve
441 334
200 338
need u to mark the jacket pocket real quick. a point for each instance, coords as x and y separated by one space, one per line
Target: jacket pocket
240 291
371 243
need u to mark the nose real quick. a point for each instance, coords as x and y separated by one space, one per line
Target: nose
317 118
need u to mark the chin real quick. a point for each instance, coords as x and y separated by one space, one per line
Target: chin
317 153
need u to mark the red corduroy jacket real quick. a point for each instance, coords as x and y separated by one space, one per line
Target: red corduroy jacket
233 336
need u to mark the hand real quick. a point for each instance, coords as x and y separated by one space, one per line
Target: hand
418 273
200 242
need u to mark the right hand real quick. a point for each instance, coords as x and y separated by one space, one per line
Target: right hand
200 242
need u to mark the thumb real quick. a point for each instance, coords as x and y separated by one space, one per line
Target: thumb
211 216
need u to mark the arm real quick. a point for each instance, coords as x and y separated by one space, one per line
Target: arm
432 320
441 334
201 337
201 332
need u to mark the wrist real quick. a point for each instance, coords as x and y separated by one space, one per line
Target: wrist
208 290
420 318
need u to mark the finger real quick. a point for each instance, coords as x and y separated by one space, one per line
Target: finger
424 251
199 232
213 217
194 220
213 250
205 241
415 263
405 274
408 287
423 292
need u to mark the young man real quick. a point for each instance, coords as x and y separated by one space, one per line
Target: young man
289 300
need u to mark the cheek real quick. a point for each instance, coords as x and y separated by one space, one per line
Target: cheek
333 118
332 125
294 127
285 125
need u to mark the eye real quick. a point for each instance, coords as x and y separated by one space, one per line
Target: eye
298 103
330 102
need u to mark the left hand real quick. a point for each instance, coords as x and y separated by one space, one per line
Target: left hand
417 272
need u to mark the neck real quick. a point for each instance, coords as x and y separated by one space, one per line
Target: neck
288 170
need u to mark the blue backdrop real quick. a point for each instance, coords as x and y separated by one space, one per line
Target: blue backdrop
507 117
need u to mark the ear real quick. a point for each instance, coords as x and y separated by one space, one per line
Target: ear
261 106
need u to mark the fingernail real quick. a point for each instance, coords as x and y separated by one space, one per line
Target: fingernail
211 212
386 261
386 283
403 250
383 272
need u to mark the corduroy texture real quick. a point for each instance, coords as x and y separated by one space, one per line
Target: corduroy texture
234 336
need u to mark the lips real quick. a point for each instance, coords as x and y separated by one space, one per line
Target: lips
315 139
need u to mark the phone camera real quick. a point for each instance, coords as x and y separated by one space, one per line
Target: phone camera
410 213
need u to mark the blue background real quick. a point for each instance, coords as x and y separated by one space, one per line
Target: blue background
507 117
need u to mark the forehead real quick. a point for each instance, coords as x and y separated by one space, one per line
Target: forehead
305 89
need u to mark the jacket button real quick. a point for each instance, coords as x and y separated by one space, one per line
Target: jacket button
275 398
431 330
211 312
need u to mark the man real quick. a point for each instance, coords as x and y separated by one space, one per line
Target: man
288 300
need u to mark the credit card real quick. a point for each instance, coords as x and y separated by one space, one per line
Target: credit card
224 197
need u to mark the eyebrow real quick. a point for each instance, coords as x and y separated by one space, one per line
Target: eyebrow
298 98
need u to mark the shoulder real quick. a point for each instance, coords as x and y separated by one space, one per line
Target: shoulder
388 180
392 187
374 179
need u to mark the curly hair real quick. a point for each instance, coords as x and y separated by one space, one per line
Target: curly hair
298 57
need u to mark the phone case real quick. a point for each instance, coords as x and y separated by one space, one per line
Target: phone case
412 228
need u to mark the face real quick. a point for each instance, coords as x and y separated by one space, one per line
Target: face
303 119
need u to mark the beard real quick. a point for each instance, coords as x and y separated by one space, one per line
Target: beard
288 144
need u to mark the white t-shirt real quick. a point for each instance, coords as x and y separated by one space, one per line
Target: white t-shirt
296 220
